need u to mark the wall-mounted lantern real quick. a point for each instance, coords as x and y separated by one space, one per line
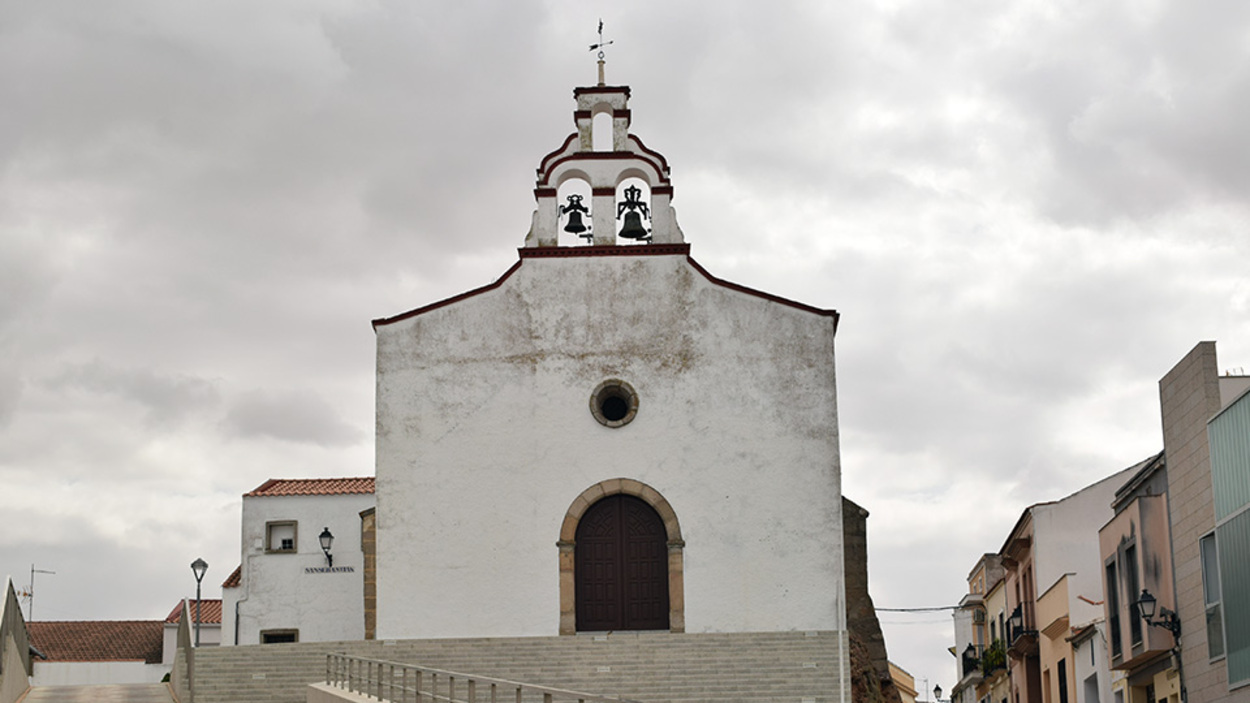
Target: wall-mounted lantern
1167 619
327 539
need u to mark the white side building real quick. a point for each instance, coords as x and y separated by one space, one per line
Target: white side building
287 589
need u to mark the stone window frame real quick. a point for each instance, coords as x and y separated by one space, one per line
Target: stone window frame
567 544
270 525
616 388
293 631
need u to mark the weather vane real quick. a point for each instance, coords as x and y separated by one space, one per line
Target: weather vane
599 47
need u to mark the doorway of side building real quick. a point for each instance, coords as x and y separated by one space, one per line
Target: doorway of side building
621 567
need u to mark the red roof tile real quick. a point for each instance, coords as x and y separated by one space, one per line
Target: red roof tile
99 640
235 579
313 486
210 611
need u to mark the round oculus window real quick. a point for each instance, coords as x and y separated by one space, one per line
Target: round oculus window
614 403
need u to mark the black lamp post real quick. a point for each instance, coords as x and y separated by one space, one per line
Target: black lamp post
198 567
1167 619
327 539
937 693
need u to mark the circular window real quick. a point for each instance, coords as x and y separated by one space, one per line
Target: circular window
614 403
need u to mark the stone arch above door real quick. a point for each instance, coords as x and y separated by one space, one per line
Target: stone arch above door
567 544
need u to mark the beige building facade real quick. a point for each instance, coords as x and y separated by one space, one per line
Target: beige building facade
1209 531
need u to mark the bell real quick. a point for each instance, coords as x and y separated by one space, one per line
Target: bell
633 228
575 223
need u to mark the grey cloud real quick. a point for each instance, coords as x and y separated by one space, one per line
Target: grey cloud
1025 215
166 399
293 416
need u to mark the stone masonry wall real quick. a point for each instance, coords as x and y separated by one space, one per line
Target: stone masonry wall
870 667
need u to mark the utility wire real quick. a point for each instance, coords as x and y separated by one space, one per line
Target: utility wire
918 610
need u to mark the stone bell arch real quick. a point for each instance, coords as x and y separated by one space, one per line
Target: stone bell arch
604 170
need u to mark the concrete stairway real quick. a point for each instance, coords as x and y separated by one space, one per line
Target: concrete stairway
655 667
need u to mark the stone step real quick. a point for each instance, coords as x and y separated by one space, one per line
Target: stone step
651 667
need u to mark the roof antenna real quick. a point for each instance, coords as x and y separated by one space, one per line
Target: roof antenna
600 46
29 593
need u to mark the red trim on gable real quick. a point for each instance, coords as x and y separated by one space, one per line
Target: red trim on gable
655 154
766 296
542 163
612 250
544 193
660 167
604 190
662 190
608 250
448 301
602 89
581 114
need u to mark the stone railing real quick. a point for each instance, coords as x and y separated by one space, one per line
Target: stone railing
401 683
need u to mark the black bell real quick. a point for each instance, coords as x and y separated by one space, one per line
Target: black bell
633 228
575 210
575 223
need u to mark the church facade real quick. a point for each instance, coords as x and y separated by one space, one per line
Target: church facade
607 438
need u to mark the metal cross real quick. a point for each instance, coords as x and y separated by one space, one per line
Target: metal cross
601 43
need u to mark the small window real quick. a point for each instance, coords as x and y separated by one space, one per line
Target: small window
1132 590
278 636
614 403
1113 609
281 536
1212 597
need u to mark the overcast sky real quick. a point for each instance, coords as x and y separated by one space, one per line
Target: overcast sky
1026 213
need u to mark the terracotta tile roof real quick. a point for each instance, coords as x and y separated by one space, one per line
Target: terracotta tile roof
99 640
313 486
235 579
210 611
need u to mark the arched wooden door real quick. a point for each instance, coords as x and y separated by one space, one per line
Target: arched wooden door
621 566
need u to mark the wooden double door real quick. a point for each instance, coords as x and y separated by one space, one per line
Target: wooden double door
621 567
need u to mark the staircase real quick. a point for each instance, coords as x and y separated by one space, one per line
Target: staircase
654 667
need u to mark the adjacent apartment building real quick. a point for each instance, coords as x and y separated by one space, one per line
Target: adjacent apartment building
1206 438
1171 533
1037 601
1136 550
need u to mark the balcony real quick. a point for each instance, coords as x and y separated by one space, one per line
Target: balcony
1021 636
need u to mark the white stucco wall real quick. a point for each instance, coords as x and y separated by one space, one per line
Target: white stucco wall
229 602
210 636
484 439
83 673
1064 545
962 620
278 592
1090 668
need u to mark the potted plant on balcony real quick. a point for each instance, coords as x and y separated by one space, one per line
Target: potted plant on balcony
994 658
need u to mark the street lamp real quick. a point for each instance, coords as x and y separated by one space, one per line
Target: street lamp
1016 621
198 567
937 693
327 539
1167 618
